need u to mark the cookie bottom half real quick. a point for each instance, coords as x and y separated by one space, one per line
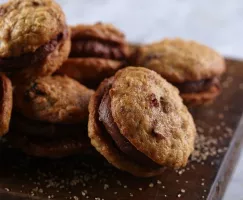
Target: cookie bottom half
43 139
204 97
90 71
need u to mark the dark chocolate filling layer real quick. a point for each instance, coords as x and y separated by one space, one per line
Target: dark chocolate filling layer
11 64
44 129
48 140
95 48
121 142
58 147
197 86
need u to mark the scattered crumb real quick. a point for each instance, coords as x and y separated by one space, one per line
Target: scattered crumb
106 186
200 129
206 146
221 116
151 185
118 182
83 193
241 86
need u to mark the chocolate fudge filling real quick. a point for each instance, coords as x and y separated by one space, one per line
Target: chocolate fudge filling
121 142
44 129
197 86
15 63
94 48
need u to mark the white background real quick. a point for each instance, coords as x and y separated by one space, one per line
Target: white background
217 23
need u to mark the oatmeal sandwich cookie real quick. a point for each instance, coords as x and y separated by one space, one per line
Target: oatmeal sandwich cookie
6 103
51 115
138 122
35 39
193 68
97 51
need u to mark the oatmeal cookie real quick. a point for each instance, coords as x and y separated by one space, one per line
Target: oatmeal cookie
54 99
192 67
97 52
139 124
34 36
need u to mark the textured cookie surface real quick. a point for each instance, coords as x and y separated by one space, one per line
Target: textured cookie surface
55 99
90 70
6 103
98 31
45 67
27 24
159 124
49 65
178 60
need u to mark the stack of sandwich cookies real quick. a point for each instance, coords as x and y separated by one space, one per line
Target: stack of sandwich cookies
51 116
192 67
138 122
136 119
35 39
6 103
97 52
50 113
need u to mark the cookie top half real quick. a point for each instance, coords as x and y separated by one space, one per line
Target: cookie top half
106 32
25 25
54 99
159 124
179 60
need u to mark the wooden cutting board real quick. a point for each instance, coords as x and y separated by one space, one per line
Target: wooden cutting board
220 129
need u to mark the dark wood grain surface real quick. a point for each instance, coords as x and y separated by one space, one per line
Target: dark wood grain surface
220 131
